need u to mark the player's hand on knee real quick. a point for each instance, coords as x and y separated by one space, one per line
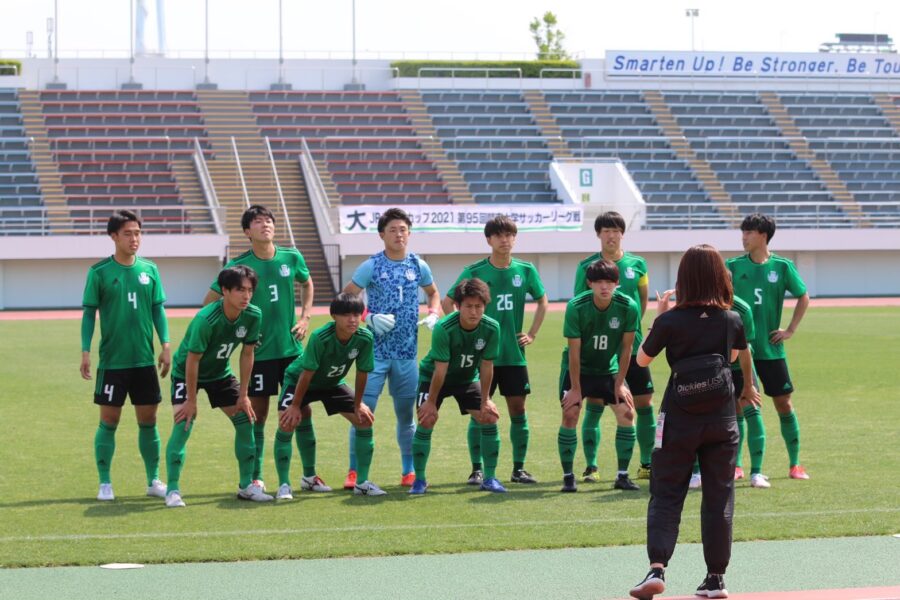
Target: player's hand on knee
290 418
427 414
243 405
624 396
381 323
364 415
186 412
571 400
750 396
489 413
85 367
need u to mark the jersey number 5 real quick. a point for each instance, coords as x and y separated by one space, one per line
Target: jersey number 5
757 293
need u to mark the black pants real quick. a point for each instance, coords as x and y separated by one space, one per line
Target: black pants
715 445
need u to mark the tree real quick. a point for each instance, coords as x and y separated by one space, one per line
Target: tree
548 38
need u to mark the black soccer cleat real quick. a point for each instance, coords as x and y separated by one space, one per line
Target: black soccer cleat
712 587
522 476
476 477
654 583
623 482
569 484
590 475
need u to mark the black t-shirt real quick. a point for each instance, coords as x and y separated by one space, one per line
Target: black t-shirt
694 331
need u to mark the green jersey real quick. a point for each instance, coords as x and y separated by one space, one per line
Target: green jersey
125 296
600 331
508 289
274 296
331 358
746 313
763 286
632 276
463 350
213 336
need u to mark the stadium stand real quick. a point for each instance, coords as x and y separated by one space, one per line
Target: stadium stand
20 193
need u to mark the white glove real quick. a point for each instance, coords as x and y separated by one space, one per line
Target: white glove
429 321
380 324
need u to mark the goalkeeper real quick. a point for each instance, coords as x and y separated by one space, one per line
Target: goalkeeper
392 279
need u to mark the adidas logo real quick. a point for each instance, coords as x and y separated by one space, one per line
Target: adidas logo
787 386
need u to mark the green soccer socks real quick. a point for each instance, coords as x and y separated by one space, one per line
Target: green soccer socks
244 447
104 448
283 451
175 455
473 436
645 426
590 433
490 449
306 445
742 433
625 438
790 431
148 444
365 447
567 441
518 436
259 437
421 448
756 438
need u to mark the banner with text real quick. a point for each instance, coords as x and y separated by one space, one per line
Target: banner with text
628 63
465 218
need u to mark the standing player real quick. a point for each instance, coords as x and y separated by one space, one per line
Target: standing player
127 291
600 325
319 375
460 364
761 279
392 279
277 268
509 280
202 361
634 283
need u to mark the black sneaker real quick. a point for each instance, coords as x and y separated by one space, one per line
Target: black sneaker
476 477
590 475
624 483
712 587
522 476
653 583
569 483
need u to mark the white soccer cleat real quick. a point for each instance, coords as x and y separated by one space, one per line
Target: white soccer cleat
367 488
285 492
105 493
173 499
696 482
254 493
314 484
157 489
260 483
758 480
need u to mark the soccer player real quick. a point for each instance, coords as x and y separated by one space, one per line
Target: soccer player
634 283
318 375
600 325
509 280
277 269
392 279
202 361
127 291
761 279
460 364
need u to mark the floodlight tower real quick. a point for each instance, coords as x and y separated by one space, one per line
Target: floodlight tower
692 13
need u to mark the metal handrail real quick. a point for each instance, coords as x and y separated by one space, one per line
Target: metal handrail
287 219
206 184
559 70
453 70
23 223
237 160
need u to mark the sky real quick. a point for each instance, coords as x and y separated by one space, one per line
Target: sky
445 28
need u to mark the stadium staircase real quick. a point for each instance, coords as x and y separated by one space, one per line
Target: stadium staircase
433 149
801 148
543 117
195 206
701 168
889 109
59 217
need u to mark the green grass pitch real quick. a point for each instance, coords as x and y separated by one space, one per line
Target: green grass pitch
843 361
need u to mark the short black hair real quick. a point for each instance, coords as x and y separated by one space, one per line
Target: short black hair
471 288
610 220
347 304
500 224
602 270
118 219
393 214
256 210
759 223
231 278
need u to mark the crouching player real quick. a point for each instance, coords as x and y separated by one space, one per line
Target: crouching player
202 361
460 364
600 326
318 374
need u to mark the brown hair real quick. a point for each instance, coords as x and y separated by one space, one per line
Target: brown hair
472 288
499 225
703 279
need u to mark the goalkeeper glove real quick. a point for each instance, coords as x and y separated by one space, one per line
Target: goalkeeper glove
380 324
429 321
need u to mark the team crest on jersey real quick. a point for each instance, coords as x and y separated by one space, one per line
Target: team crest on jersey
353 354
144 278
517 280
614 323
629 273
240 332
384 275
410 275
285 271
773 276
479 344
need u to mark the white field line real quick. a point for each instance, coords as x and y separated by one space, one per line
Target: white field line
371 528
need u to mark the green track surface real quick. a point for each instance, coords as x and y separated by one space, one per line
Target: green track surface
843 362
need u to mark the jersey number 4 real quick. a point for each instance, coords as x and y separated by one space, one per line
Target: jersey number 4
132 298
